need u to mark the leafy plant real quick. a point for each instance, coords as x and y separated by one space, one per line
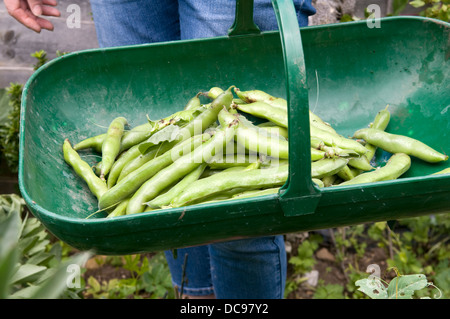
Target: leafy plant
30 266
437 9
302 261
9 130
400 287
5 107
41 57
150 278
9 127
157 280
329 291
398 6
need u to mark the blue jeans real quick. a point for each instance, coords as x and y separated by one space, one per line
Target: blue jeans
240 269
128 22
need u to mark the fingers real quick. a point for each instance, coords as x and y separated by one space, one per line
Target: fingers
26 18
45 24
50 11
28 12
44 7
50 2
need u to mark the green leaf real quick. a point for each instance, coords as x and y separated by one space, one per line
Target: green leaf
330 291
54 286
403 287
8 261
346 18
27 273
31 227
25 293
185 115
372 287
168 129
27 243
41 258
442 277
167 134
41 245
9 236
41 57
9 131
5 107
95 285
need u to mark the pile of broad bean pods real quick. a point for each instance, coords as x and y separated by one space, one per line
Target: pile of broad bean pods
234 147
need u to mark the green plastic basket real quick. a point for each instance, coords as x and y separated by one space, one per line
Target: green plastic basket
344 72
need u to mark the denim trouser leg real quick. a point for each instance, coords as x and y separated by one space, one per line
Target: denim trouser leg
191 266
249 268
127 22
201 19
240 269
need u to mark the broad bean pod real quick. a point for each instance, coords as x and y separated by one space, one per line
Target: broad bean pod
141 153
318 182
134 163
256 139
331 139
258 192
165 198
135 136
111 144
274 129
329 180
396 166
94 142
208 117
229 193
316 121
252 96
361 163
217 183
214 92
179 168
224 161
346 173
135 179
331 151
381 122
193 103
130 138
120 163
265 111
83 169
395 143
317 154
327 166
119 210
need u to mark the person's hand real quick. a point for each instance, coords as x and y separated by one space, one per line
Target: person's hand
28 12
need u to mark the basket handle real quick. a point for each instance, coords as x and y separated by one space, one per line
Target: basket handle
243 21
299 196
